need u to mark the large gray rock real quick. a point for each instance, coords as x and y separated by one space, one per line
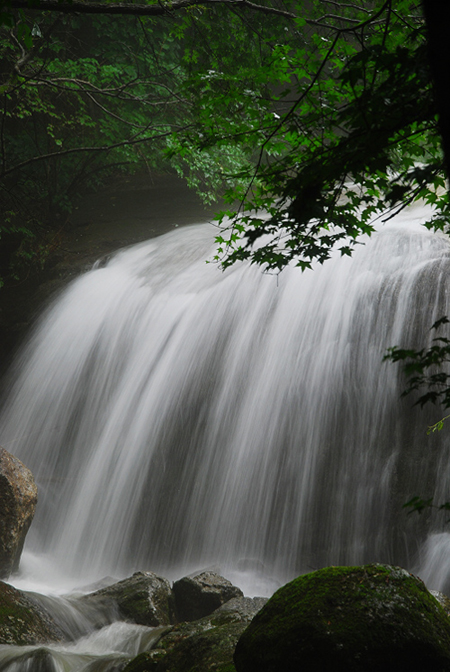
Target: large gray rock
144 598
200 595
203 645
348 619
22 621
18 498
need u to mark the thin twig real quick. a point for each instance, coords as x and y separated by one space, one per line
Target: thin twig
159 9
103 148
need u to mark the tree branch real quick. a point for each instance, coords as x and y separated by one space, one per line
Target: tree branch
118 92
158 9
75 150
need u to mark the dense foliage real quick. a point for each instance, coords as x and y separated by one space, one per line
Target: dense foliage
79 96
320 113
347 135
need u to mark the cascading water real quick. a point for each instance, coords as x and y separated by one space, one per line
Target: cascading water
176 417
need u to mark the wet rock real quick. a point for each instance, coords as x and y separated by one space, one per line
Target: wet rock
22 621
443 600
203 645
200 595
144 598
18 498
348 619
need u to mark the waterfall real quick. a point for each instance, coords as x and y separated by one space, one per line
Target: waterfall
176 416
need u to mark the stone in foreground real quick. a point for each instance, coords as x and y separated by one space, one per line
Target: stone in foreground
22 621
200 595
144 598
18 498
201 646
371 618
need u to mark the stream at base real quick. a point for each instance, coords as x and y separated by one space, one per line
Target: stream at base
105 650
176 418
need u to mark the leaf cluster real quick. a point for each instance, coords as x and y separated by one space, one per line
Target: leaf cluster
418 505
427 369
338 120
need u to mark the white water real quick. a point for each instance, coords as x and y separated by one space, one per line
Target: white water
177 417
100 651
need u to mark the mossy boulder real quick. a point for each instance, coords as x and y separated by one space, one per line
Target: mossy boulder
348 619
205 645
22 621
145 598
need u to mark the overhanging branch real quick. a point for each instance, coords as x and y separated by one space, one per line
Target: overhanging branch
123 8
135 140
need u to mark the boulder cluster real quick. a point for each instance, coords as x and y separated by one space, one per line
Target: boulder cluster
197 621
148 599
345 619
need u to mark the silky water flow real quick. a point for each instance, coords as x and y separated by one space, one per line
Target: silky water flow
177 417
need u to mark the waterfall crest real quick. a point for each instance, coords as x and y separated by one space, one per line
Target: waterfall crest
175 416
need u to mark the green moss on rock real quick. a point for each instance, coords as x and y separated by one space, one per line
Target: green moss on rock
22 621
210 649
348 619
142 663
206 645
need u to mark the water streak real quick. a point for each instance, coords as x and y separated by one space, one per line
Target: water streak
175 416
